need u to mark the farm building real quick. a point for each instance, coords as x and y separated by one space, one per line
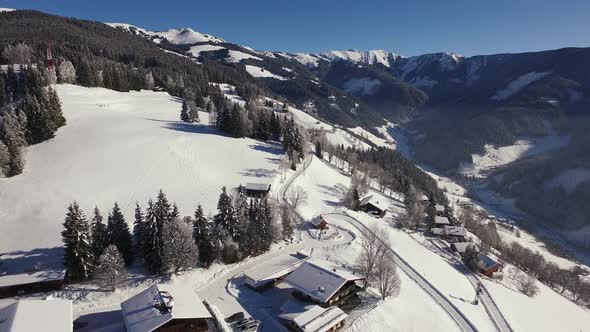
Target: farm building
37 315
487 266
28 275
273 270
373 205
319 283
441 221
165 308
311 318
450 233
319 222
255 190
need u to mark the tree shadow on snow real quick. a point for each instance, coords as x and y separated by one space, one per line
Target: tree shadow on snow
45 262
258 172
273 148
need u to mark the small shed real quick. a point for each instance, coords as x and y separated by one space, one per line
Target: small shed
311 318
319 222
166 308
37 315
255 190
487 266
373 205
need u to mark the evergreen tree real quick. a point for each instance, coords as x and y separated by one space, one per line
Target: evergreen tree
100 236
119 234
162 209
287 221
265 218
138 229
225 218
184 112
152 245
78 258
2 92
175 214
275 127
111 268
318 150
202 237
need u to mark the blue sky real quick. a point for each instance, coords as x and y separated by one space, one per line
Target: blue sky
405 27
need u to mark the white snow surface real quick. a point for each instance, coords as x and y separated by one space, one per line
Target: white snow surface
518 84
197 49
366 57
362 86
237 56
4 10
175 36
123 147
262 73
503 155
569 179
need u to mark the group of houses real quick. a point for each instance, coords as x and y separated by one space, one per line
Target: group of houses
318 291
447 229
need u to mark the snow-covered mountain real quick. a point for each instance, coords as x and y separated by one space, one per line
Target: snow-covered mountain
179 36
3 10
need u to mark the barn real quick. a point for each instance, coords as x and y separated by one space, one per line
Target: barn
373 205
166 308
30 274
255 190
325 285
487 266
303 317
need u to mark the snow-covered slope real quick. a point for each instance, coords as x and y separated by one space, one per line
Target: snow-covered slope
262 73
367 57
123 147
3 10
174 36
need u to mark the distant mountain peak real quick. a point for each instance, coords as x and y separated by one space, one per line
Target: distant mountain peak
4 10
180 36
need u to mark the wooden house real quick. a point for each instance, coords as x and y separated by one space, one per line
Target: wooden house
255 190
373 206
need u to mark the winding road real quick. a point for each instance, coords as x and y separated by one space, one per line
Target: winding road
460 319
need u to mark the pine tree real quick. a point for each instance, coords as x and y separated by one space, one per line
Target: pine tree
111 267
202 237
287 221
119 234
138 229
2 92
78 258
180 251
100 238
175 214
253 245
318 150
184 112
265 218
152 246
225 218
162 209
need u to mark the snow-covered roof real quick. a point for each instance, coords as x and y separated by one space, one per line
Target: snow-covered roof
257 186
441 220
438 231
461 246
140 313
312 318
455 231
380 204
439 208
485 262
17 269
37 315
274 268
319 280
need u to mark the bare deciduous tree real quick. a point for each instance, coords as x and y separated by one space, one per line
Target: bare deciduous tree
372 246
284 165
526 285
180 250
411 218
111 268
296 197
386 277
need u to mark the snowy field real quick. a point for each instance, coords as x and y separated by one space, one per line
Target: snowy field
123 147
